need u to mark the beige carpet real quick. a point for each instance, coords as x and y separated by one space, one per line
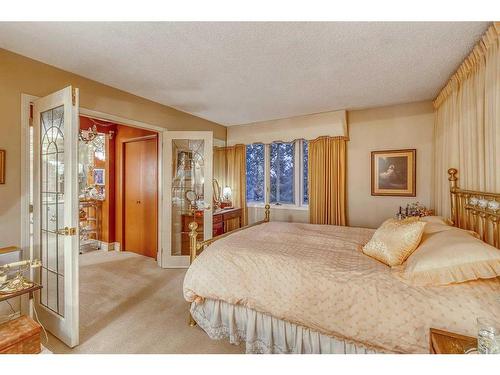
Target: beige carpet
130 305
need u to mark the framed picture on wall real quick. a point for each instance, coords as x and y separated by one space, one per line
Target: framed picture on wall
394 173
2 166
98 176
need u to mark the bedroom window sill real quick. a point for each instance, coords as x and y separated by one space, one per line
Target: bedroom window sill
280 207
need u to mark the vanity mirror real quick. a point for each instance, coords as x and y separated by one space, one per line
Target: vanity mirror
216 193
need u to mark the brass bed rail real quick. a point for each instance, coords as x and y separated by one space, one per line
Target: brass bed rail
197 247
478 211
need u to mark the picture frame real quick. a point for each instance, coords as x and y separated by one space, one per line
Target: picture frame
99 176
394 173
2 166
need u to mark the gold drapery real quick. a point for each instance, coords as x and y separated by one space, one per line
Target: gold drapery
467 124
327 180
230 170
471 64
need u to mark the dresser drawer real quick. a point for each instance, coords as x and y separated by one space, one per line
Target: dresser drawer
217 218
218 229
231 214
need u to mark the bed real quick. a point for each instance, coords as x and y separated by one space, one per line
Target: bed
304 288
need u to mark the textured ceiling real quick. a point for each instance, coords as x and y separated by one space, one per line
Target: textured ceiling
236 73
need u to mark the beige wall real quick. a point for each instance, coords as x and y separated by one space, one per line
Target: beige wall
279 214
396 127
19 74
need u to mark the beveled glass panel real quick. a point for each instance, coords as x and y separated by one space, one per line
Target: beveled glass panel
188 178
52 205
43 281
52 289
52 251
61 294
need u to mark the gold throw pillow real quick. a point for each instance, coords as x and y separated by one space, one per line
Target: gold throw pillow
395 240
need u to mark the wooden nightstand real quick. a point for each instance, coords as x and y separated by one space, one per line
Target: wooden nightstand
443 342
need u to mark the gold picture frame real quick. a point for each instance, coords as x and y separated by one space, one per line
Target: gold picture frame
2 166
394 173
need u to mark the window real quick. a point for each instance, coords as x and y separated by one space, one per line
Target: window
255 173
277 173
281 173
305 173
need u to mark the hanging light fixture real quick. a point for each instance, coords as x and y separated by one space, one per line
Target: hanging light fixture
88 135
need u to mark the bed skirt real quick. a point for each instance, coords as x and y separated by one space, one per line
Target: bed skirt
264 333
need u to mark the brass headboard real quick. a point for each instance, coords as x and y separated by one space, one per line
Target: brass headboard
475 210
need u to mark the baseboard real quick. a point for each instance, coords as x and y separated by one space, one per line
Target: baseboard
110 246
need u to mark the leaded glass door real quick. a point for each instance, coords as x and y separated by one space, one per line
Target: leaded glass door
187 192
55 198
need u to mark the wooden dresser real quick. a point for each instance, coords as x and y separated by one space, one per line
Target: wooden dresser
223 221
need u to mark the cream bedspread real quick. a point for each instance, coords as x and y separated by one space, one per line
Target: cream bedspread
316 276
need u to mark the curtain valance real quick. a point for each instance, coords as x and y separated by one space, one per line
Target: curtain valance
332 124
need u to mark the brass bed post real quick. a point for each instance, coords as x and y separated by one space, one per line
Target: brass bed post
196 246
452 172
496 240
193 233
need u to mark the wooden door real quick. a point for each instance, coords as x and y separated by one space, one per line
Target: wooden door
140 185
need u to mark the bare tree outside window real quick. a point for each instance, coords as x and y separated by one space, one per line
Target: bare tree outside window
281 171
255 173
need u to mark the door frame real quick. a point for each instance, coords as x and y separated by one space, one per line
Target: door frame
124 186
26 101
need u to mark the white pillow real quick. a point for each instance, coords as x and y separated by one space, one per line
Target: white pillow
435 224
451 256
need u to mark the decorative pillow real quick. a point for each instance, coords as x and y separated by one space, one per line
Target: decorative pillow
451 256
435 224
395 240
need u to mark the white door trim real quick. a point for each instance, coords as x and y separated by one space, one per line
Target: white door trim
26 100
27 251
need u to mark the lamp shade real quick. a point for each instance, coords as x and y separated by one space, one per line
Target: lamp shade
227 193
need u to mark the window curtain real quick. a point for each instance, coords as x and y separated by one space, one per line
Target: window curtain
467 124
327 180
230 170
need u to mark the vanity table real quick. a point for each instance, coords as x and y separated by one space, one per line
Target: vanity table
223 221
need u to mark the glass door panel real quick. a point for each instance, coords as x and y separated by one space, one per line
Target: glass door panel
189 192
52 206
